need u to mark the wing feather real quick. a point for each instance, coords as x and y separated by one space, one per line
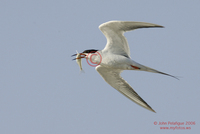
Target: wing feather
113 78
114 33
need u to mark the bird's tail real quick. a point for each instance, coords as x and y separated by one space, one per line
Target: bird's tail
148 69
156 71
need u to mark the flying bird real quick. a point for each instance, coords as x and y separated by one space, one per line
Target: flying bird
115 57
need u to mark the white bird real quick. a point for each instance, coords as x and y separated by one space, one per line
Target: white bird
115 58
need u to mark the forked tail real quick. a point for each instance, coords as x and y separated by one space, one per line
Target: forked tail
156 71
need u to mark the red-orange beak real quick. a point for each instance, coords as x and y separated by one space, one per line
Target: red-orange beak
82 54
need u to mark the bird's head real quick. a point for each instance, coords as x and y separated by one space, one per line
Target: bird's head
85 53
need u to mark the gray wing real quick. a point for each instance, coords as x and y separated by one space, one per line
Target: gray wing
113 78
114 33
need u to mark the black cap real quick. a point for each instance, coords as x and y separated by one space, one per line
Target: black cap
90 51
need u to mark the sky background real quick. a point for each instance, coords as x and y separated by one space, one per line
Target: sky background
42 90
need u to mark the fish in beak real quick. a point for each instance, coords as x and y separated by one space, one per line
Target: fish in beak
78 59
78 55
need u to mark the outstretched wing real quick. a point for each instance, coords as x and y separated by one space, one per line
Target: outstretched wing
113 78
114 33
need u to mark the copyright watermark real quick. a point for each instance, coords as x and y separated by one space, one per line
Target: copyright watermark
175 125
90 60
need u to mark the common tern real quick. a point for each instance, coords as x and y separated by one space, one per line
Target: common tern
115 57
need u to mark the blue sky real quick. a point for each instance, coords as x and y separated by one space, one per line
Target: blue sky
42 90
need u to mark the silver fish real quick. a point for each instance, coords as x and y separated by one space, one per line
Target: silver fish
78 61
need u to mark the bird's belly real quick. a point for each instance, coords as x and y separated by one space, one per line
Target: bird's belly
117 62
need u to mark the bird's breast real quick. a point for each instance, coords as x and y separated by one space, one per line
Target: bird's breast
116 62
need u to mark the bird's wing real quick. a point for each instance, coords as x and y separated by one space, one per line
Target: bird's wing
114 32
113 78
